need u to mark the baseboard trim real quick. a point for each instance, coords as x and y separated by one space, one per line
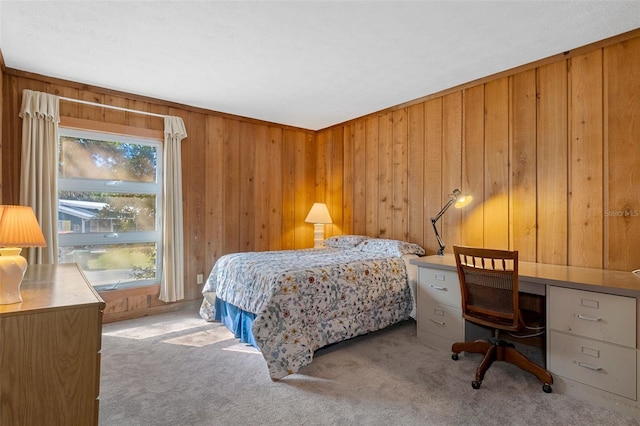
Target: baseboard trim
152 310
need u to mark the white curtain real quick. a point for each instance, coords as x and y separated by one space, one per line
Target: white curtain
172 283
40 115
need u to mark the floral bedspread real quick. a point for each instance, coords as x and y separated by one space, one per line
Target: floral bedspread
307 299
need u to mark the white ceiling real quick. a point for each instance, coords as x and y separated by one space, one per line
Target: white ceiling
301 63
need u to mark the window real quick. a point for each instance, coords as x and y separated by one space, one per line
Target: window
109 207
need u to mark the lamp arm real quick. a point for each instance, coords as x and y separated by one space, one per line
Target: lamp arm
435 228
440 243
443 210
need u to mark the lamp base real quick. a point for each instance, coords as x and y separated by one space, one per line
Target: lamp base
12 269
318 235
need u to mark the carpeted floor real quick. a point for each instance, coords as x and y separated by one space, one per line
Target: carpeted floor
177 369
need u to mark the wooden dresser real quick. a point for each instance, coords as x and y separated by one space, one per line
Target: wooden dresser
50 350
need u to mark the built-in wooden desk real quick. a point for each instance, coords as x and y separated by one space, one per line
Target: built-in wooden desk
592 317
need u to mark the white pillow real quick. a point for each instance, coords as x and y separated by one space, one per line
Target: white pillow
390 247
344 241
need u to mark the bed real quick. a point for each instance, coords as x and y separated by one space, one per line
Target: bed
289 303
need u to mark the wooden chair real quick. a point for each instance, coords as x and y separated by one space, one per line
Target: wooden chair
489 286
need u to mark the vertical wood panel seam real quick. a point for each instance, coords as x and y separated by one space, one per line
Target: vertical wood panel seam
605 154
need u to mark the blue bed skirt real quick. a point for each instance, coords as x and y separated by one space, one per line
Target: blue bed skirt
236 320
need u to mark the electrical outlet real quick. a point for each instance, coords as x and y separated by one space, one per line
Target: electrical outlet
199 279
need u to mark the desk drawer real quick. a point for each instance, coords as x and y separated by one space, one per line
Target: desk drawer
602 365
596 315
440 286
442 320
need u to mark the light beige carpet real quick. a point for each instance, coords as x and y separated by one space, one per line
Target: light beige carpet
177 369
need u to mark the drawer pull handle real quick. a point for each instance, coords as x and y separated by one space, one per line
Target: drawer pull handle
437 287
436 321
589 366
582 317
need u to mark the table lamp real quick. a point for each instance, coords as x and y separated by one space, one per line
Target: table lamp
18 228
319 216
459 200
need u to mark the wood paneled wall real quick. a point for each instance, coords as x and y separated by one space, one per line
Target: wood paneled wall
247 184
2 119
550 153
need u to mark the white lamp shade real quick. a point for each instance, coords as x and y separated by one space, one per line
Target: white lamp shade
19 227
319 213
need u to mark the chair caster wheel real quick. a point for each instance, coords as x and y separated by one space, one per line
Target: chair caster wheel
454 357
476 384
547 388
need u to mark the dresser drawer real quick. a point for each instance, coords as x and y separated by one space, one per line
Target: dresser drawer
440 286
602 365
596 315
442 320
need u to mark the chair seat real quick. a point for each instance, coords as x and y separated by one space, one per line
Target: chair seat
492 321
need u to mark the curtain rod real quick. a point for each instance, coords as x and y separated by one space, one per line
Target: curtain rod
110 107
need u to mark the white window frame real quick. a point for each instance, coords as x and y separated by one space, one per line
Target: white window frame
86 185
